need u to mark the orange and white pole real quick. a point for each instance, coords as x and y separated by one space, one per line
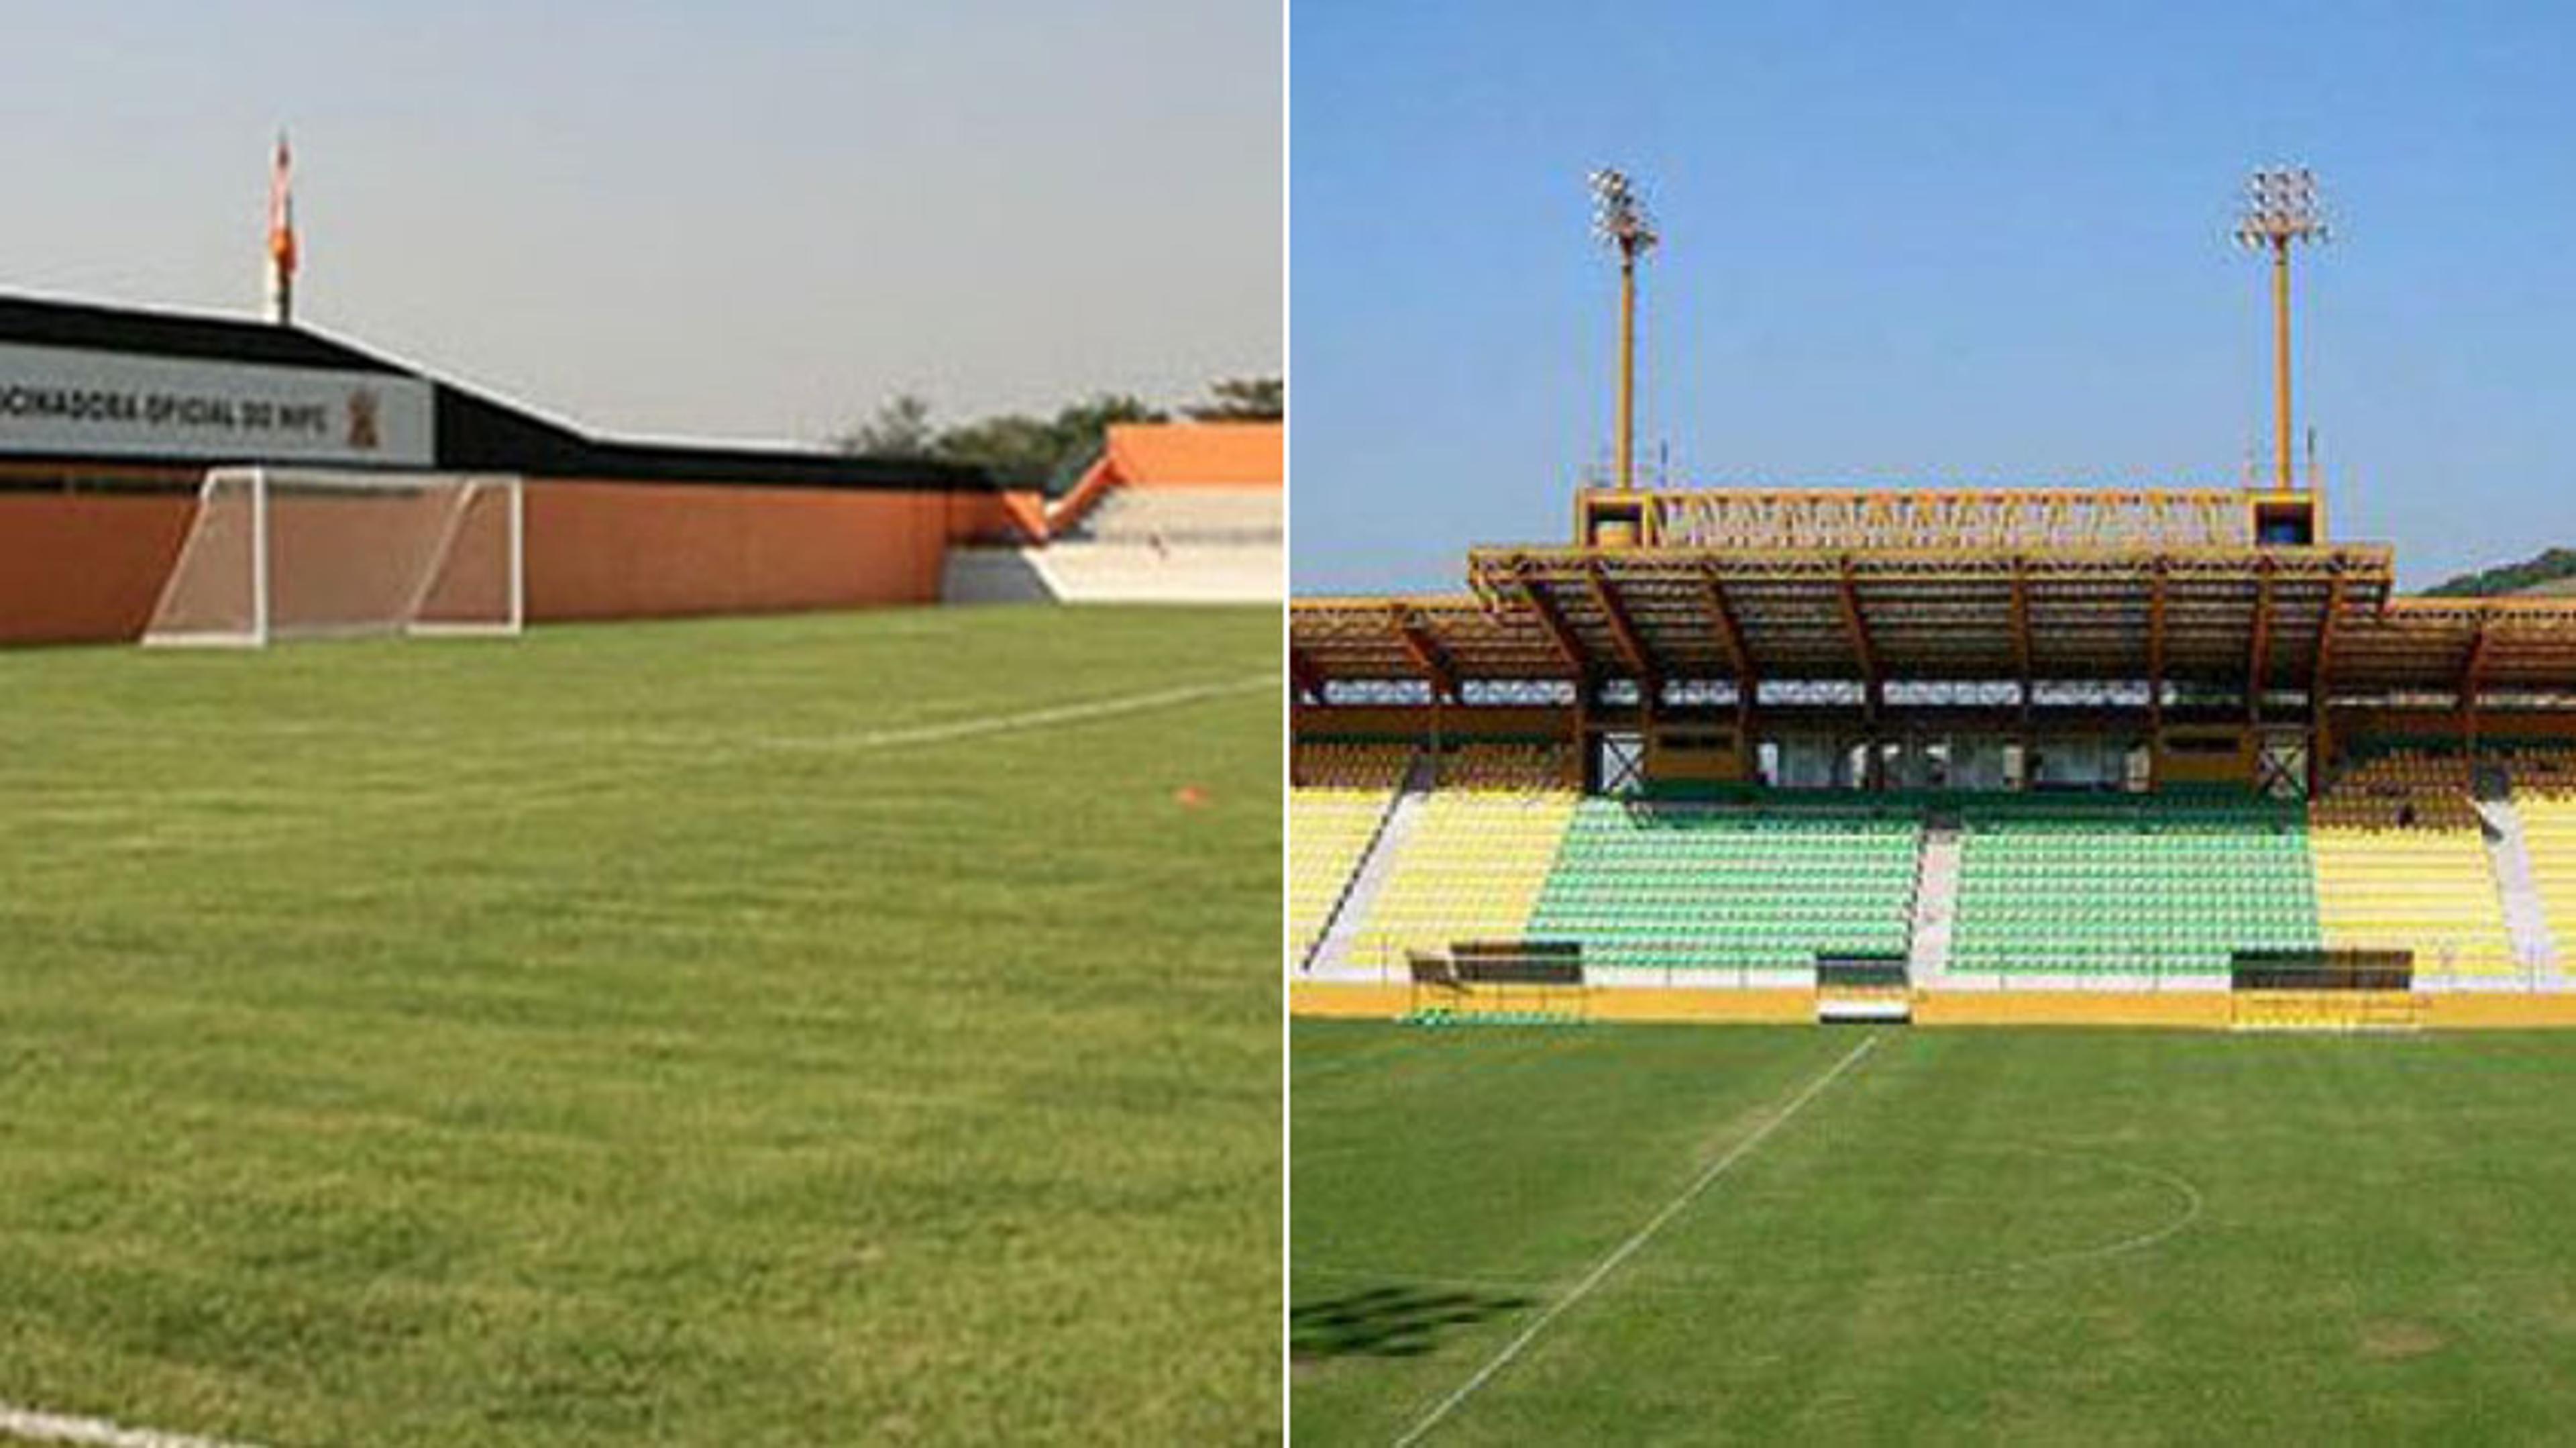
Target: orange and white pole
281 237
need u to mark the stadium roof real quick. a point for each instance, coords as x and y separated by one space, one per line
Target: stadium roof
475 431
48 322
2282 618
1175 454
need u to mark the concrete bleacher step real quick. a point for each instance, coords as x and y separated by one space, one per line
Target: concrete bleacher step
1377 863
2509 855
1185 515
1116 572
993 575
1936 903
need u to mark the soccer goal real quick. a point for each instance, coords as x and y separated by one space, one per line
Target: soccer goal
290 553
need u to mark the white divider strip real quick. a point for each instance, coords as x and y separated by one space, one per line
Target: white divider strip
42 1427
1627 1249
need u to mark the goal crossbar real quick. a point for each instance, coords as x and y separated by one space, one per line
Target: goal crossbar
277 553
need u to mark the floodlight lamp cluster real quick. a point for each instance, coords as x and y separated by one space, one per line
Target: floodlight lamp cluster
2280 208
1619 213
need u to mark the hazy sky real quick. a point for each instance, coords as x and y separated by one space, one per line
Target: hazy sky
747 219
1930 244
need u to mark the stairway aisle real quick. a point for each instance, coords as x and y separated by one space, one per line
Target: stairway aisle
2509 853
1332 952
1936 904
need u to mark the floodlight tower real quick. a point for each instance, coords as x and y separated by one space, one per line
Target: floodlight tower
2280 208
1619 218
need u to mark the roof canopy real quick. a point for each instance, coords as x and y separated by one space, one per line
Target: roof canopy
2234 617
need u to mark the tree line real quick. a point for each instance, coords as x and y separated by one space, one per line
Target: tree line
1026 450
2547 567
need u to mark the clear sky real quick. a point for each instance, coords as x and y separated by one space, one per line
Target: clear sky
1925 244
752 218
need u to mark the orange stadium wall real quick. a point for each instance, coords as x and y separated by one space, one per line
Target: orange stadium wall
600 550
88 567
85 566
1007 519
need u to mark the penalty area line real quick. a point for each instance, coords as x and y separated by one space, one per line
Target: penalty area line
1621 1253
35 1426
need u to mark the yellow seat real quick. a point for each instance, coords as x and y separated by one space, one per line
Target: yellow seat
2401 865
1471 869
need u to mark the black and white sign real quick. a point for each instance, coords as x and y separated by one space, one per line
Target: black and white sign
70 401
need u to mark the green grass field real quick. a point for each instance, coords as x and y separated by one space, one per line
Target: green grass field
2052 1236
650 1033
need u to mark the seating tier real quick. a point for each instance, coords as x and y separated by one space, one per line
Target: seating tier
1328 831
1662 885
2132 884
1470 869
2402 865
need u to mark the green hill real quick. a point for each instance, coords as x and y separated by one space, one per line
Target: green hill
2552 571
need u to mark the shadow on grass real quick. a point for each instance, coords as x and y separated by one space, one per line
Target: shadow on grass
1389 1322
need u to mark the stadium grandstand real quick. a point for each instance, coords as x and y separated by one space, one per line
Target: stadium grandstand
1186 512
2137 755
2121 742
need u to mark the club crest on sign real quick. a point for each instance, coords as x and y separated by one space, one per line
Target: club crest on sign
363 433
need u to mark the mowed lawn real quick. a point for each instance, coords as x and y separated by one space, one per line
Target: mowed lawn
2063 1236
675 1032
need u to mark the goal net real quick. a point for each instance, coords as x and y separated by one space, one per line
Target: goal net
284 553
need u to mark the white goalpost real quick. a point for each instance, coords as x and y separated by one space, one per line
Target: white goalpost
289 553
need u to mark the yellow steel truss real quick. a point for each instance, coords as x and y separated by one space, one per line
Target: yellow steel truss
2005 518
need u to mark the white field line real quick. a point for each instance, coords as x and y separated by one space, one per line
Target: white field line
701 751
2172 1181
1694 1283
1014 723
40 1427
1621 1253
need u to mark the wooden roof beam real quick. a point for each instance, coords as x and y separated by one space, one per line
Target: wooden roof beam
2021 630
2321 678
1303 675
1623 631
1730 632
1424 649
2258 650
2156 646
2473 667
1857 625
1551 619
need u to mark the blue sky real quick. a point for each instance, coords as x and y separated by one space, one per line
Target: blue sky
1924 244
751 218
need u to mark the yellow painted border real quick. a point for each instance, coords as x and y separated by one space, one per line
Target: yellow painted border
2499 1011
1334 1000
2188 1010
2184 1010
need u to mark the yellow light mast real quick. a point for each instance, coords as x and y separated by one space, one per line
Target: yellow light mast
2280 208
1619 218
